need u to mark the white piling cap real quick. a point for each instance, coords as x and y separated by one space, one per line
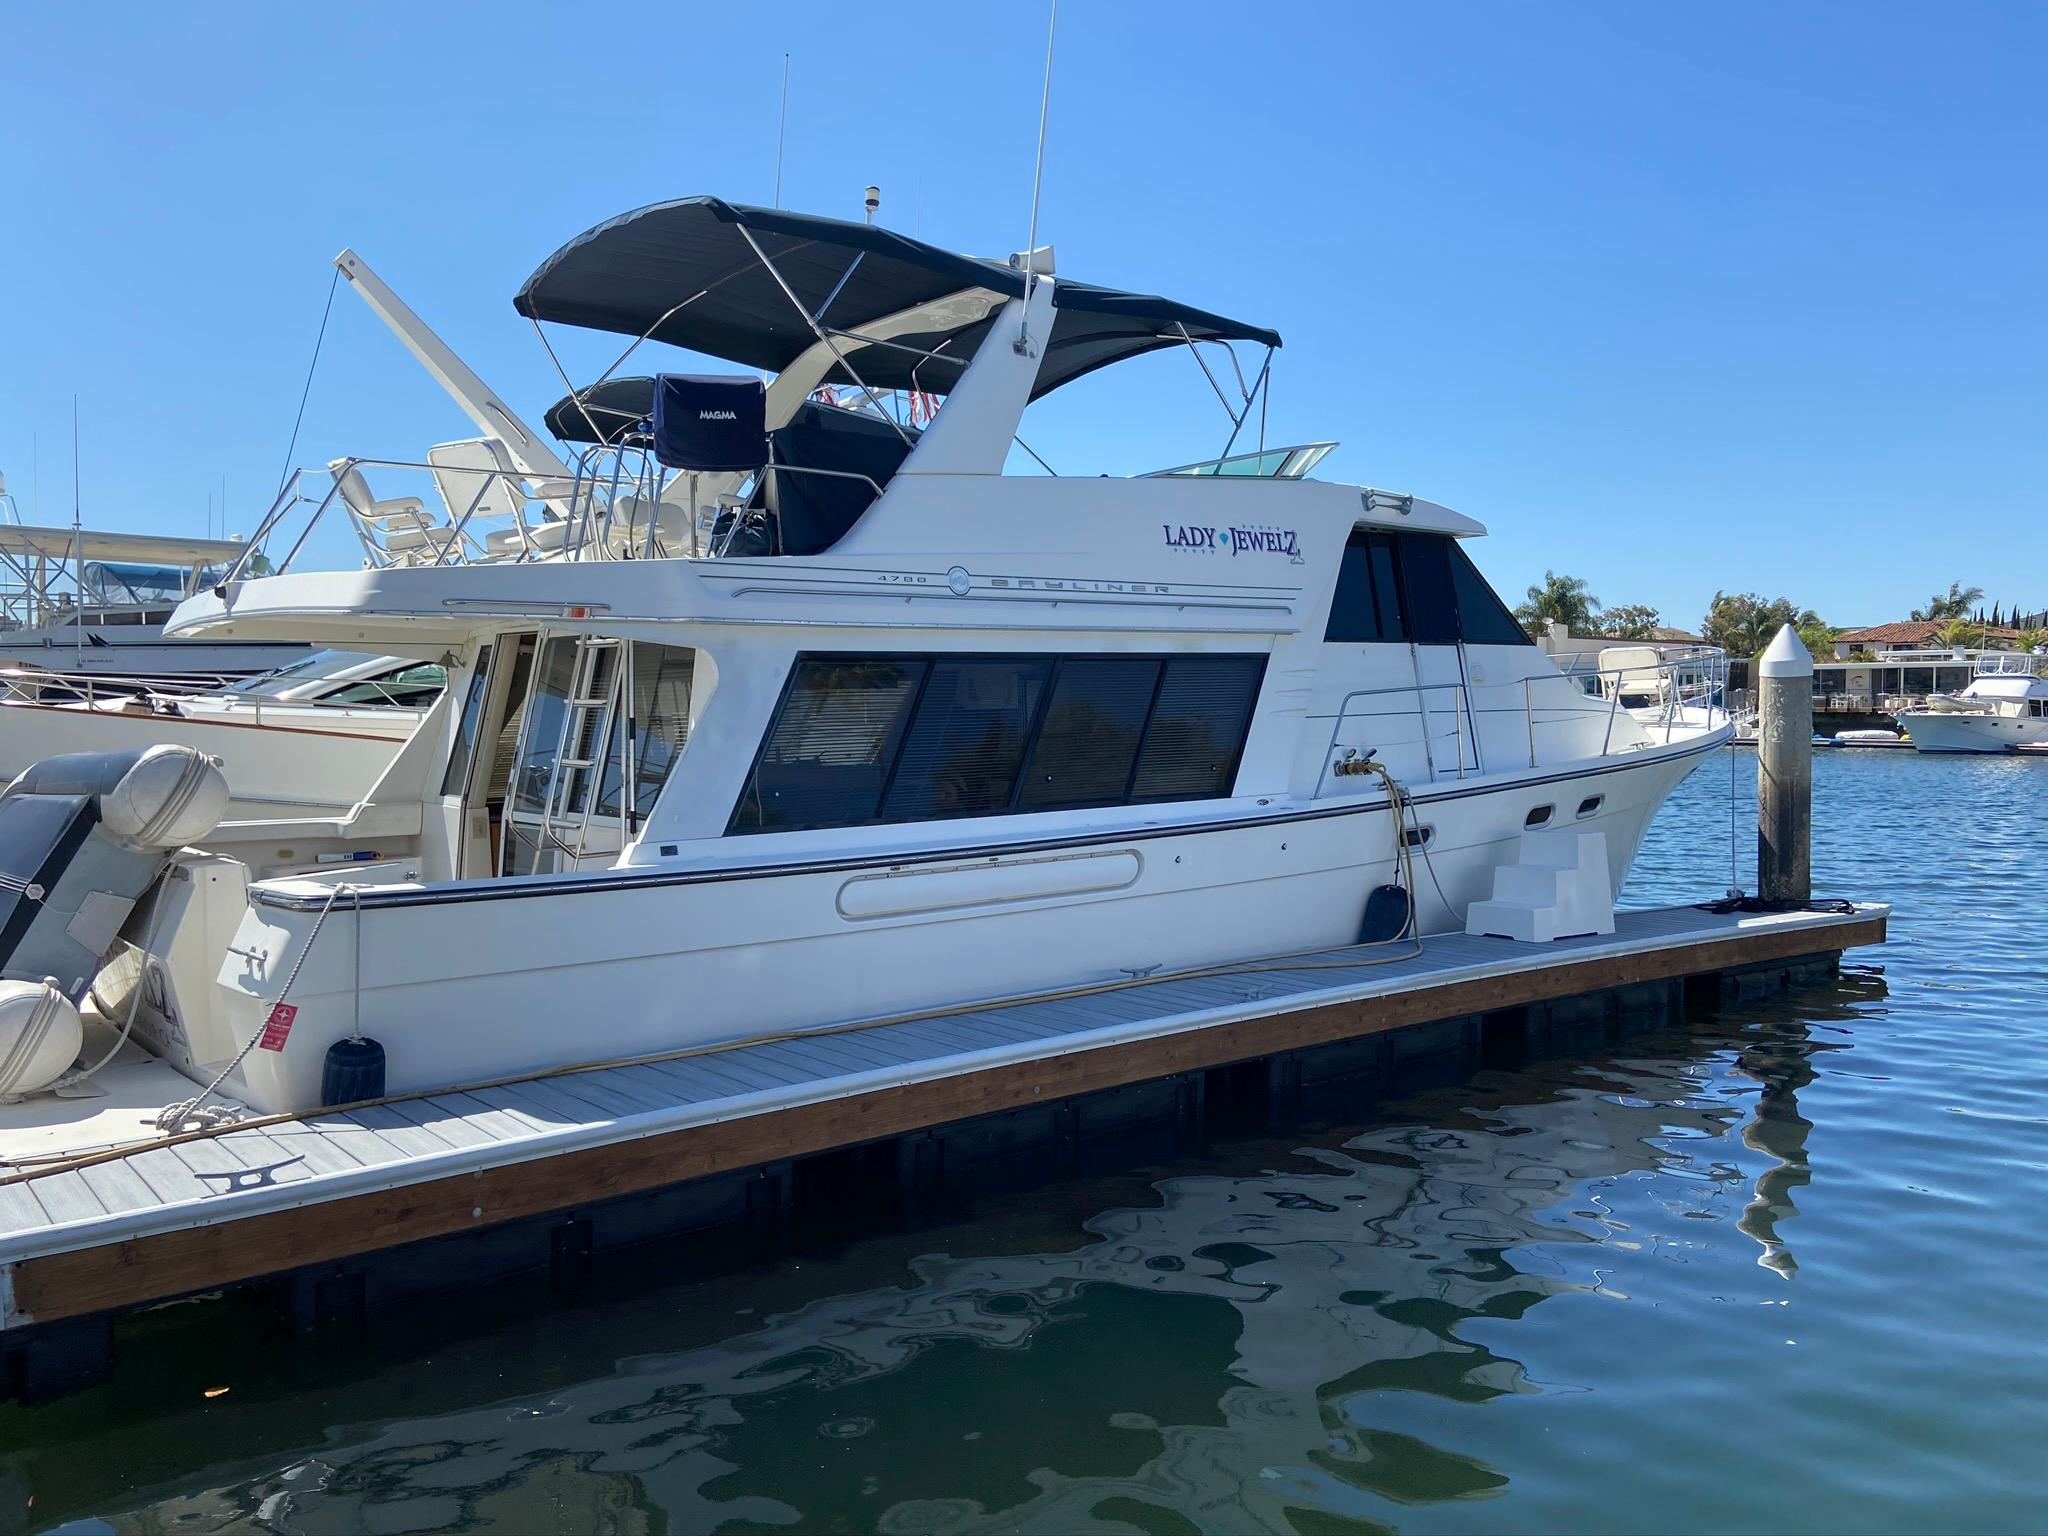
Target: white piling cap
1786 656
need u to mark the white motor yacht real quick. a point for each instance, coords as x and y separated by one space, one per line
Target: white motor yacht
87 601
2004 708
814 713
309 739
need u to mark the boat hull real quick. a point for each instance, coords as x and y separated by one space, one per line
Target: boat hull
1950 731
471 982
294 763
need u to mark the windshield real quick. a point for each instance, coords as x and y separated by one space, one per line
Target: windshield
308 669
107 581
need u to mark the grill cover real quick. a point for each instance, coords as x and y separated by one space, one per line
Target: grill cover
710 424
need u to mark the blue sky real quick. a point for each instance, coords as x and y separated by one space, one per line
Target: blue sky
1744 296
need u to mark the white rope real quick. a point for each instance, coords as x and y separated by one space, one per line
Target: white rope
174 1116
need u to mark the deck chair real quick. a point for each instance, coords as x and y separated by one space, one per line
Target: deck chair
486 496
396 531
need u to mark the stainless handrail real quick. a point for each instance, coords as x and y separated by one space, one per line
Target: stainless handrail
91 688
595 507
1697 679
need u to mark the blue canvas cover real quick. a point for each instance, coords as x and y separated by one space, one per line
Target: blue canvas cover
710 424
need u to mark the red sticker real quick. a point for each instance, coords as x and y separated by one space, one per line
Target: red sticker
278 1027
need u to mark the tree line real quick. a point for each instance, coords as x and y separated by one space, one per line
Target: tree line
1743 623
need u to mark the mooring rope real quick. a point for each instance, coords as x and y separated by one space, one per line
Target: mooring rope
173 1116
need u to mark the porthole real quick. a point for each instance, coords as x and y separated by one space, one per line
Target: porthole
1418 837
1538 817
1589 805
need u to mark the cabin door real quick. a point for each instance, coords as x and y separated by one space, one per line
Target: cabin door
606 722
478 776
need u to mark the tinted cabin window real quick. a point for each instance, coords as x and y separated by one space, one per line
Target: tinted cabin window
1415 586
1197 728
543 726
863 739
1386 588
1426 574
1483 619
1367 604
659 712
1089 743
1353 616
456 778
831 746
967 741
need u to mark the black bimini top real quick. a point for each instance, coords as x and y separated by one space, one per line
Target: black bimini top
685 273
602 413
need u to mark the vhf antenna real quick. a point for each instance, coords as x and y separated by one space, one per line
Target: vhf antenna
1023 343
781 130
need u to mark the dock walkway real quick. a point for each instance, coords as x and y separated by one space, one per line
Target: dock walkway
162 1221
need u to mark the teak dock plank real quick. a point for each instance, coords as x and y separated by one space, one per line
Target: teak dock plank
485 1168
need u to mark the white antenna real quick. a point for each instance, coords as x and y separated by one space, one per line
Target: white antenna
77 537
1023 342
781 130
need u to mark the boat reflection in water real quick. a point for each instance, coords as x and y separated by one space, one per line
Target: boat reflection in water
1258 1347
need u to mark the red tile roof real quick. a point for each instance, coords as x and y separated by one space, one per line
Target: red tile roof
1910 632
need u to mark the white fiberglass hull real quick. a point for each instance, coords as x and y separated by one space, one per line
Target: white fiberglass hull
1952 731
294 763
140 650
469 982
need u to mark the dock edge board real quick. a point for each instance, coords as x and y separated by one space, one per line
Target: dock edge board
123 1273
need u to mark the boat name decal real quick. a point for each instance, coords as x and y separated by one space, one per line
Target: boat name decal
1239 541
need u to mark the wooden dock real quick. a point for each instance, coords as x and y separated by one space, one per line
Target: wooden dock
517 1173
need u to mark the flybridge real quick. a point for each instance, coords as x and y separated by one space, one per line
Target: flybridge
868 334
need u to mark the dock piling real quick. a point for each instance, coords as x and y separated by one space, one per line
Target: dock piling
1784 771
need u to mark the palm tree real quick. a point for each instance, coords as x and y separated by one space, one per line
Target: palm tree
1954 606
1564 599
1959 634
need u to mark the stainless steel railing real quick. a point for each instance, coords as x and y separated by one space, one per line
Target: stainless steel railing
32 685
1690 694
596 516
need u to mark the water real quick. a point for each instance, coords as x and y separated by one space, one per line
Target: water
1780 1271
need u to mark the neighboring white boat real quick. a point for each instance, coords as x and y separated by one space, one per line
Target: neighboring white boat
942 734
309 739
85 601
2004 708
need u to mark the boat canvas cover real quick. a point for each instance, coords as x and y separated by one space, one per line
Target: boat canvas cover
687 273
710 425
23 542
603 413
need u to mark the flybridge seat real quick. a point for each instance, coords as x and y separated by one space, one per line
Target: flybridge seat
82 837
396 531
486 494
